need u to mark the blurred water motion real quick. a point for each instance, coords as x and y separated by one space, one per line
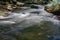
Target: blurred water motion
30 26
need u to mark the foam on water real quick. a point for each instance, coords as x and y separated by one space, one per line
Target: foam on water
26 19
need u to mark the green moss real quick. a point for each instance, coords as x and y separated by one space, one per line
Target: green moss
54 7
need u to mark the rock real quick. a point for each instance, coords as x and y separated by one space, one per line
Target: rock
9 7
54 9
36 7
49 9
58 17
3 12
19 3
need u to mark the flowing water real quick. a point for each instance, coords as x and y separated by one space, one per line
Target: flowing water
27 18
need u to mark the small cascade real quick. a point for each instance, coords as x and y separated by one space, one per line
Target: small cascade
26 19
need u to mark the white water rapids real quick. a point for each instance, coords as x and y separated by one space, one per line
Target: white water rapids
27 18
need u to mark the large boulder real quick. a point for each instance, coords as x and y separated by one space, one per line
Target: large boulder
55 9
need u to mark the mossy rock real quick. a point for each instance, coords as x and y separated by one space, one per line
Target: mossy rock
55 9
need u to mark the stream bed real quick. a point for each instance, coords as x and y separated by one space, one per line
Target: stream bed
31 24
